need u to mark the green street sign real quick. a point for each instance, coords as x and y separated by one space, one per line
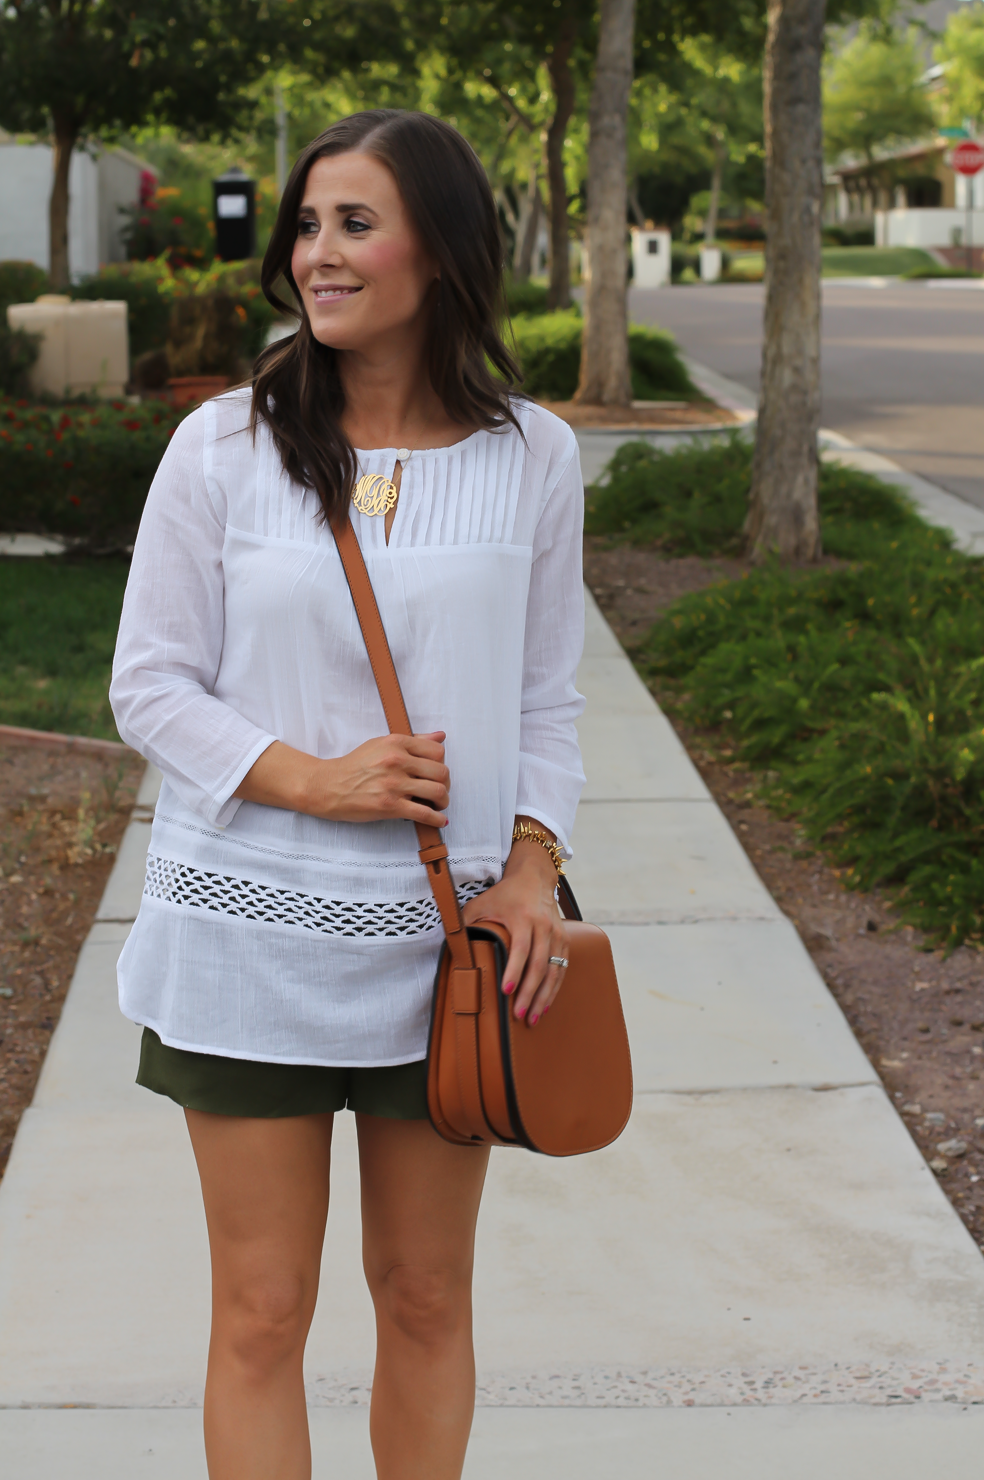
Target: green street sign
954 133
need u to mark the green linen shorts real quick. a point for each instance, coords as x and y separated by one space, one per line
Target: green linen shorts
223 1086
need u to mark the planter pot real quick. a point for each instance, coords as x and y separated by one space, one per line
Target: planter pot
190 390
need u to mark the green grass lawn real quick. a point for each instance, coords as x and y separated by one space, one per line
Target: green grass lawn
58 621
843 262
872 261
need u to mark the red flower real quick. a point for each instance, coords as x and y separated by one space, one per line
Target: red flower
132 426
66 421
58 436
28 446
117 405
144 220
21 403
157 418
73 498
49 453
68 465
177 220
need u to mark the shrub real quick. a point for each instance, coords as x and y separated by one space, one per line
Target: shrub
20 282
18 352
861 687
693 501
528 297
205 335
549 350
169 224
81 469
849 236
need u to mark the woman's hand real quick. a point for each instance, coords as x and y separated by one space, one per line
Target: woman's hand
394 776
524 903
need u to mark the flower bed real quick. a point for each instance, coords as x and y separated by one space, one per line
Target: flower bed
81 469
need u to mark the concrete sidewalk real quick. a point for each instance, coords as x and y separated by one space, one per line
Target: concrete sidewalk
760 1279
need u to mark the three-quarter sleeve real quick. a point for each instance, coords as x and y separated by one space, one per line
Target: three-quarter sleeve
171 636
550 771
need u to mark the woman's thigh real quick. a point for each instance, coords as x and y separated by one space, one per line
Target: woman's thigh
265 1187
420 1202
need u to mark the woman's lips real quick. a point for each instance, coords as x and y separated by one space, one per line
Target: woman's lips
327 292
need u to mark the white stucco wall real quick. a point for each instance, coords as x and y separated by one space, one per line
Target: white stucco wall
926 227
96 188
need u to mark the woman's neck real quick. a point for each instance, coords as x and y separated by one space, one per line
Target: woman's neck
390 402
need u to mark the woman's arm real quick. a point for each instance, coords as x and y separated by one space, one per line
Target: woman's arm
392 776
171 634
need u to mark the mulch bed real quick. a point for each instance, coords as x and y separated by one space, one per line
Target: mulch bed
643 416
918 1017
62 815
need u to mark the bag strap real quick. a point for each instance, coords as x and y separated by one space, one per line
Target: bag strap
432 851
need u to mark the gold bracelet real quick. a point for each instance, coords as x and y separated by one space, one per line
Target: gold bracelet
524 833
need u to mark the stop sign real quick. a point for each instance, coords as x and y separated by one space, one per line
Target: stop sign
968 157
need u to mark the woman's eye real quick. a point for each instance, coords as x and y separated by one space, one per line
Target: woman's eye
307 228
355 226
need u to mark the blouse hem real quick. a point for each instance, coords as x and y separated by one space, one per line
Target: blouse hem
263 1058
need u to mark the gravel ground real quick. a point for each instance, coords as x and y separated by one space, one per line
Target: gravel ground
62 814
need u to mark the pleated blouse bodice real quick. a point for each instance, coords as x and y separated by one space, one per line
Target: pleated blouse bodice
269 934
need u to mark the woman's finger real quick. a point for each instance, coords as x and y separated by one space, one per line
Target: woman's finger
518 951
542 988
412 811
537 967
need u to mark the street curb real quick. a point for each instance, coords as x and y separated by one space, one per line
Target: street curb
937 506
52 739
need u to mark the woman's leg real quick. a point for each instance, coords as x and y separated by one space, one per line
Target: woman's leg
265 1185
420 1199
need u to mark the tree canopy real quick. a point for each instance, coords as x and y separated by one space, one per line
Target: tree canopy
961 52
873 97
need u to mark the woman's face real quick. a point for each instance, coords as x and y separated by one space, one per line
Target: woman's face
361 269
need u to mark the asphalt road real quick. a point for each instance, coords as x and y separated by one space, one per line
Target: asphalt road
903 366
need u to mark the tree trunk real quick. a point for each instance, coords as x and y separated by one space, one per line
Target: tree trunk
605 378
66 137
711 224
526 231
783 513
635 205
562 80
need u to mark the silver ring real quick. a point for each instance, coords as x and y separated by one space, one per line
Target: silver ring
559 961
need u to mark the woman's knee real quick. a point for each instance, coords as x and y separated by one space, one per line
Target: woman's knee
263 1320
429 1306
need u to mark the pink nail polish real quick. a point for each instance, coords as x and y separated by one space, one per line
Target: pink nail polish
534 1020
520 1012
508 987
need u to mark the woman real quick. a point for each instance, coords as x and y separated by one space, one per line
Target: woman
284 955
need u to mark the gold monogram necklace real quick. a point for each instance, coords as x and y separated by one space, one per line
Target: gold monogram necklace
376 494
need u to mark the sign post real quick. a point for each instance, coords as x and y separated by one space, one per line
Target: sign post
967 158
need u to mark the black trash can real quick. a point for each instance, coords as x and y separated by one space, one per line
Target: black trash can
235 216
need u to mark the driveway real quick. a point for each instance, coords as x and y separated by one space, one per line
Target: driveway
903 365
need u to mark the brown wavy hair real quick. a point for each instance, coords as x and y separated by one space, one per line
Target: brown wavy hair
297 389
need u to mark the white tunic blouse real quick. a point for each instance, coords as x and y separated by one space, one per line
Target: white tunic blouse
268 934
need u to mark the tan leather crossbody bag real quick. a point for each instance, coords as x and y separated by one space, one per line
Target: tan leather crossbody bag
562 1087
